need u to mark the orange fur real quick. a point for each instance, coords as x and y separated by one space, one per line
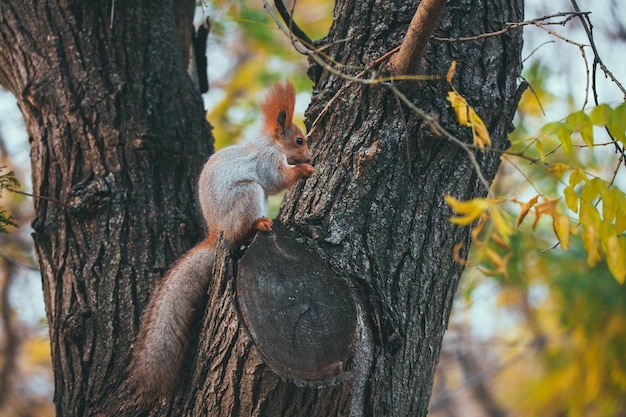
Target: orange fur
279 97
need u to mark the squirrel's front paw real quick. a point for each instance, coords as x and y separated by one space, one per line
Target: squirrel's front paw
305 170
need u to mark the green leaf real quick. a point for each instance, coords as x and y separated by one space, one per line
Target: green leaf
542 152
580 122
7 180
620 220
577 177
609 204
593 189
562 133
617 124
5 220
601 115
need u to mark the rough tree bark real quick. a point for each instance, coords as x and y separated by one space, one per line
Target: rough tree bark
118 137
377 210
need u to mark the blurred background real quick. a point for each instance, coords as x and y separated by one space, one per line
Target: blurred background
542 334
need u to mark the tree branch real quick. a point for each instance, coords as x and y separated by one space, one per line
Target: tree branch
598 60
406 61
291 24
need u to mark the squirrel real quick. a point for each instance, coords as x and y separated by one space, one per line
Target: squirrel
233 189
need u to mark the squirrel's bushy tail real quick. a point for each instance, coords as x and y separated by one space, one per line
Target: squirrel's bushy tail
164 335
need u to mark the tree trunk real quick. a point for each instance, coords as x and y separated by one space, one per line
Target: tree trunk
377 210
118 137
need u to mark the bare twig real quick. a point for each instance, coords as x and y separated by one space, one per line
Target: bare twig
112 14
40 197
598 60
298 45
18 264
536 96
535 50
513 26
581 47
345 86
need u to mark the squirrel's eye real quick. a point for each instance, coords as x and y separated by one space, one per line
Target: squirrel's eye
299 140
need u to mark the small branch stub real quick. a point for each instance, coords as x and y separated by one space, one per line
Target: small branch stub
300 315
406 60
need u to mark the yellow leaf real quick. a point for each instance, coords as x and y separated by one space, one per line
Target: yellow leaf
576 177
456 254
502 226
500 263
460 107
468 117
494 257
571 199
451 71
478 229
479 130
37 351
560 224
464 207
591 245
615 250
469 210
611 203
498 240
589 216
547 207
525 209
466 220
559 167
489 272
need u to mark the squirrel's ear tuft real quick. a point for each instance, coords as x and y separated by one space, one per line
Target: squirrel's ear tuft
281 119
278 105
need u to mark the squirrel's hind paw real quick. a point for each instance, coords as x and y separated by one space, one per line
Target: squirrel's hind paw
263 224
